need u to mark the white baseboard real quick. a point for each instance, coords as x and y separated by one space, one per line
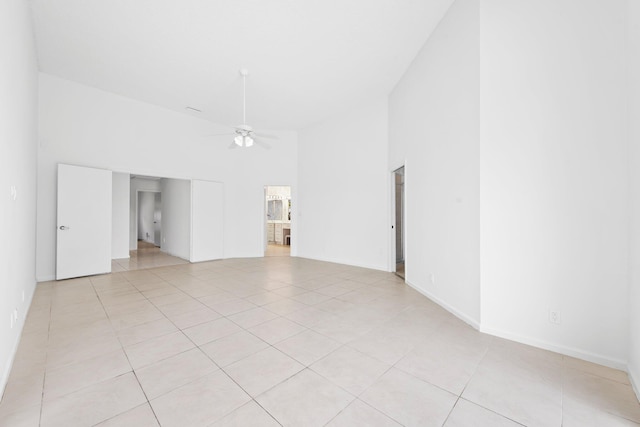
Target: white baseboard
45 278
568 351
460 315
557 348
346 262
6 370
176 255
635 381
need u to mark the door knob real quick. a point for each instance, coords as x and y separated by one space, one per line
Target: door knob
64 227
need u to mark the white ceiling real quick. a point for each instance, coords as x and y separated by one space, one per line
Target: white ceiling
308 59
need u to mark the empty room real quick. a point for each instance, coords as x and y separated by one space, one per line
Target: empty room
305 213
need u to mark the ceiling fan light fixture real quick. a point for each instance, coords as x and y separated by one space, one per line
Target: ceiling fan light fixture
244 136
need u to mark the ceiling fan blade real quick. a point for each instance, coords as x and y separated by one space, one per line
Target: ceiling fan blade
265 136
262 144
218 134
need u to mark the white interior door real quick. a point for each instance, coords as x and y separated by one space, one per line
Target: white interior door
84 222
207 220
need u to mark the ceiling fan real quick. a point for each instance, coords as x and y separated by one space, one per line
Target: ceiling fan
244 135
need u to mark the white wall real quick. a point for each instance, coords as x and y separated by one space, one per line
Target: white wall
554 175
434 129
120 216
633 55
146 207
85 126
176 217
18 142
207 221
342 201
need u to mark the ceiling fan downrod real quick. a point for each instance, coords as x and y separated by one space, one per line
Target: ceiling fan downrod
243 138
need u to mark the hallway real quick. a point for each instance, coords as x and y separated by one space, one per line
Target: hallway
147 256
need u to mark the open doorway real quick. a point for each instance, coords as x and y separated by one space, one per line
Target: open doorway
158 222
277 209
399 221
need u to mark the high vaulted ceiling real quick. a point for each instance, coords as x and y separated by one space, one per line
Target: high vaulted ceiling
307 59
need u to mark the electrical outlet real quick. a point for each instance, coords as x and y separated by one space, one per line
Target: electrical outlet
555 317
433 278
14 317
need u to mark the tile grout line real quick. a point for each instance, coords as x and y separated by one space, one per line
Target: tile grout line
451 410
167 275
200 349
46 358
130 365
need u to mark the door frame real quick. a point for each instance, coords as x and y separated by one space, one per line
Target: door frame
392 217
138 213
265 242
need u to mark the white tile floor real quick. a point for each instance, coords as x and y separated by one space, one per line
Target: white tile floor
146 256
284 341
277 250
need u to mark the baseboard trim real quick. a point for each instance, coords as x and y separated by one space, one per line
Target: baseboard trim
7 368
565 350
343 262
459 314
47 278
177 255
635 381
